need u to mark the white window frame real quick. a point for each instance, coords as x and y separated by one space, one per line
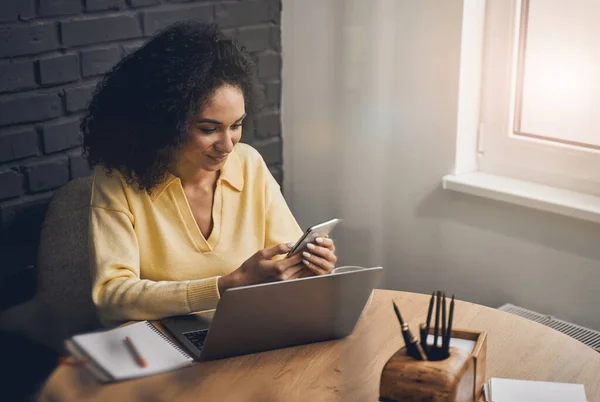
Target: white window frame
481 167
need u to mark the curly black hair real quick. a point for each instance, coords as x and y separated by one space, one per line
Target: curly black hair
141 110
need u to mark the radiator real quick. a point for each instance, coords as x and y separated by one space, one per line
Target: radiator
584 335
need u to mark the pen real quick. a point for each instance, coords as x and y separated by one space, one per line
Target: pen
402 325
135 352
413 347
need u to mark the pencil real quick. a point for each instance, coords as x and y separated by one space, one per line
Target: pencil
437 318
443 319
135 352
429 311
450 318
427 325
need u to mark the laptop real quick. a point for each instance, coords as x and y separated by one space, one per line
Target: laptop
269 316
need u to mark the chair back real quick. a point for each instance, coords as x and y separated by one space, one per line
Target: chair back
64 280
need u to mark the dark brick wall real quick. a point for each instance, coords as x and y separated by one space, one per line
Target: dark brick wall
52 54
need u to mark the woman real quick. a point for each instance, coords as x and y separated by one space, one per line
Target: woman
180 212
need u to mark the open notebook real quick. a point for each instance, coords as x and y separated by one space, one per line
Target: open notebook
111 360
506 390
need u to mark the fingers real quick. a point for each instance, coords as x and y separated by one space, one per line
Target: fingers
325 242
304 273
320 259
286 263
316 260
277 269
316 269
292 272
271 252
325 253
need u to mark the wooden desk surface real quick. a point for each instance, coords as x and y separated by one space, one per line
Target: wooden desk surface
349 369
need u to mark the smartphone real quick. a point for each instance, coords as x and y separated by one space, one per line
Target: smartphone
320 230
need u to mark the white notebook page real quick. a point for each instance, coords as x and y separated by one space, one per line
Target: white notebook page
505 390
108 350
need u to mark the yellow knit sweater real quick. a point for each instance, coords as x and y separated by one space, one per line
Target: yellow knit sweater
148 257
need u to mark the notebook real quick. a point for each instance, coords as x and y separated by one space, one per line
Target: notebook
111 360
505 390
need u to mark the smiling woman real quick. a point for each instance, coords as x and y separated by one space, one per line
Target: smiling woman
180 211
215 130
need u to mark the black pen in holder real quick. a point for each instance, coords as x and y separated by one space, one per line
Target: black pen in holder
413 346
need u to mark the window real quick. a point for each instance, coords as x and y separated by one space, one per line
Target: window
537 69
541 82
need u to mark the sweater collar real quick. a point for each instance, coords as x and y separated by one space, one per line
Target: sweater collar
231 173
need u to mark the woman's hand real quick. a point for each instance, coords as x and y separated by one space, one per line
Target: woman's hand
320 258
262 268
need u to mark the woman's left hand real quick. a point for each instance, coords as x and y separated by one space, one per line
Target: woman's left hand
320 258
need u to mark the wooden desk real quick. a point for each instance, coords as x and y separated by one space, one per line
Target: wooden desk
347 370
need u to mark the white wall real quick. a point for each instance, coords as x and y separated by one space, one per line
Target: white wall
369 120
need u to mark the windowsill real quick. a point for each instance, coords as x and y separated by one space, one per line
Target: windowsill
527 194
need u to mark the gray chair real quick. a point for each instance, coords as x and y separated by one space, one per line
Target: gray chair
62 305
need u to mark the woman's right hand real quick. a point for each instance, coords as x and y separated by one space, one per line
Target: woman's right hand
262 268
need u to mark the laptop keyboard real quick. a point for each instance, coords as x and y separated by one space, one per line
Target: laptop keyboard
197 337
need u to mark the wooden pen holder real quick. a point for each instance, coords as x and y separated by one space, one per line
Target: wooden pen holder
459 377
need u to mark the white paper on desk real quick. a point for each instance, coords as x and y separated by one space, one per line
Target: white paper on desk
486 392
506 390
464 344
